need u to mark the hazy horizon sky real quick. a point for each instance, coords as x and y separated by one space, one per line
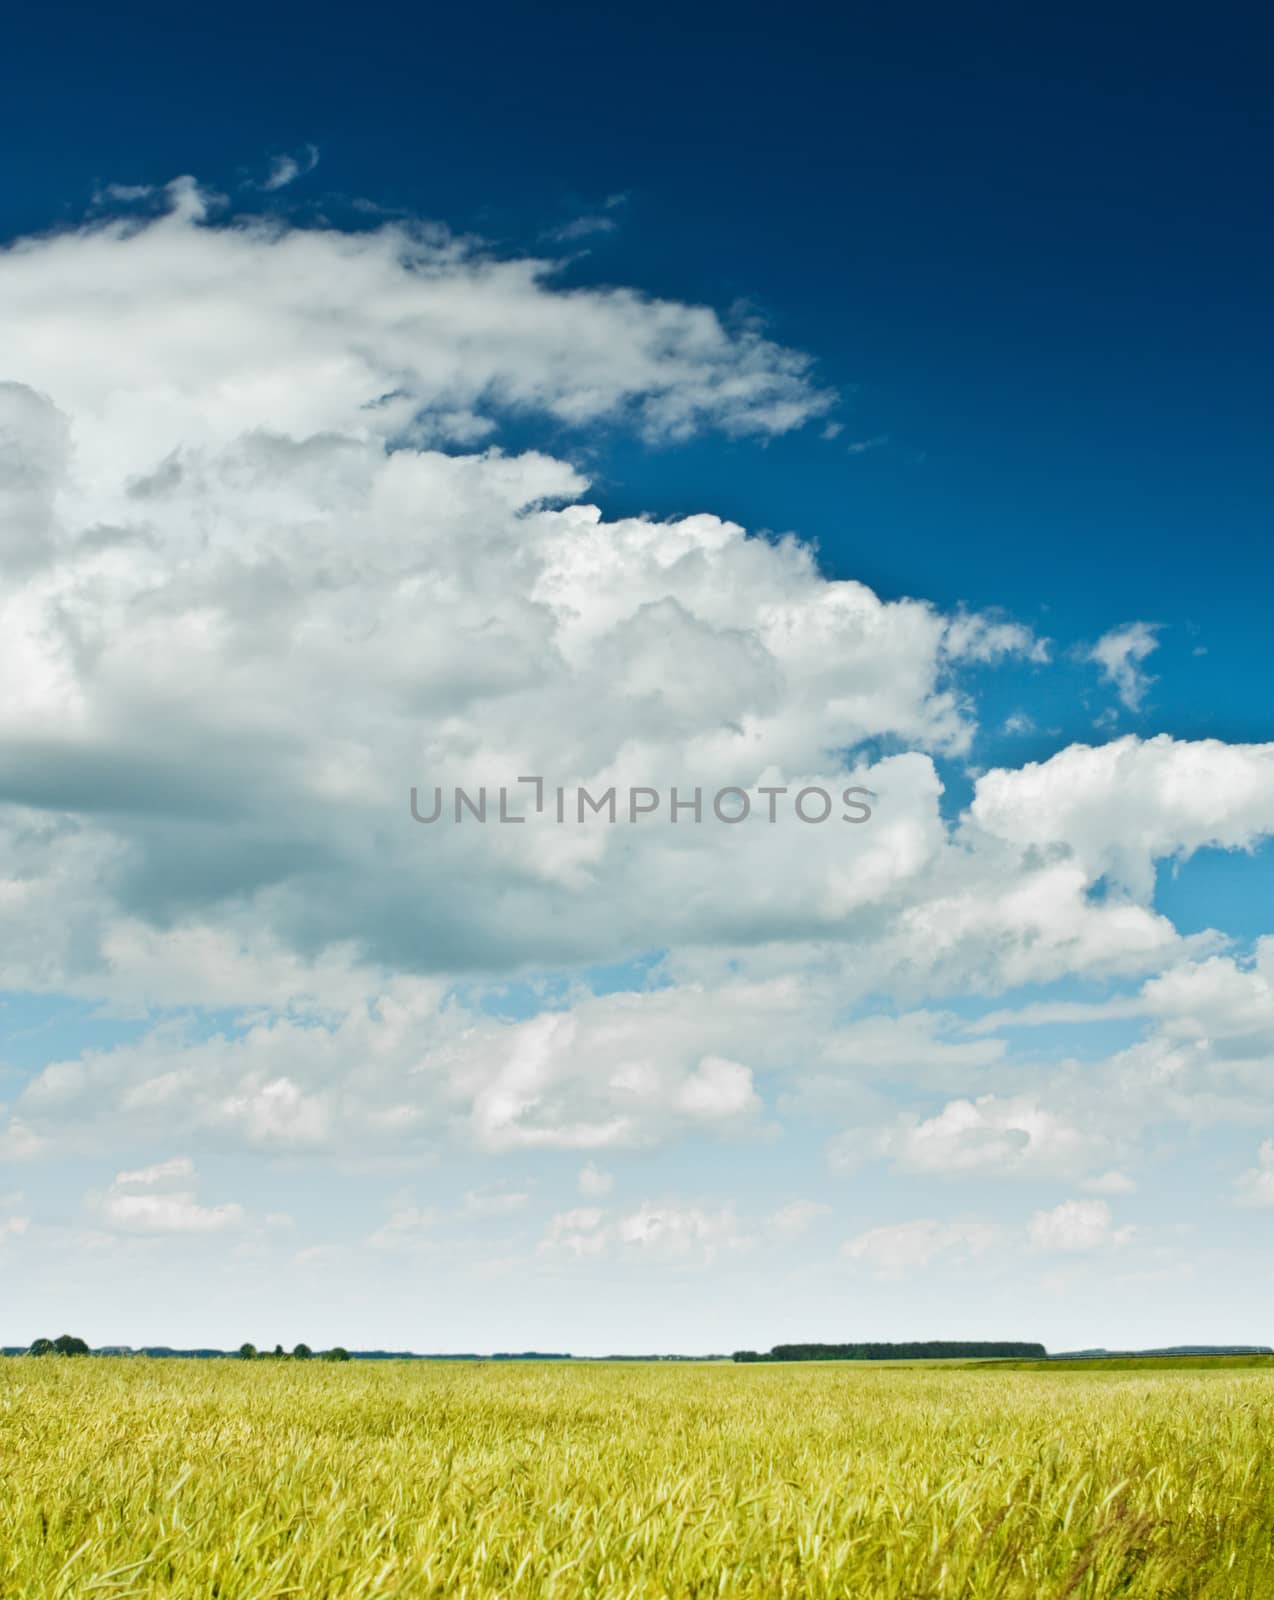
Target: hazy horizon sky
636 400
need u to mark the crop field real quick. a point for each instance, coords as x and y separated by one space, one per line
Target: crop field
221 1480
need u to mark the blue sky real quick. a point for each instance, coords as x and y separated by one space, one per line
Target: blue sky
974 306
1030 253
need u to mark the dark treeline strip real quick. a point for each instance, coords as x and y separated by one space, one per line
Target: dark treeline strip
926 1350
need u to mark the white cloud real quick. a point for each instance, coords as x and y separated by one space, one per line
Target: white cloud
1052 1013
975 636
18 1142
1255 1187
613 1072
408 1229
674 1232
301 330
1109 1183
168 1213
1120 653
278 1112
990 1136
717 1090
1077 1225
286 169
392 1078
144 1202
897 1250
650 1233
585 227
582 1231
163 1172
124 193
1116 809
495 1202
900 1248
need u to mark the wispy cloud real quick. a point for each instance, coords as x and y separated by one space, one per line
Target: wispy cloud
285 169
1120 653
1077 1225
583 228
1255 1187
144 1201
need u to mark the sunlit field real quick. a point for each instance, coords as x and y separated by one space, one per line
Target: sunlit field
244 1481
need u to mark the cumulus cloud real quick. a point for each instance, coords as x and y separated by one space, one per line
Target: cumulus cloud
1116 809
240 483
973 636
546 1084
991 1136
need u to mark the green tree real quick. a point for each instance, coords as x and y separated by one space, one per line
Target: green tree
278 1350
248 1352
42 1347
302 1353
336 1354
67 1344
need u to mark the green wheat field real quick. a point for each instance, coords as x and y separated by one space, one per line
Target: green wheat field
221 1480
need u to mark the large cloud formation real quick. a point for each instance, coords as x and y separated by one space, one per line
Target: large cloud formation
266 567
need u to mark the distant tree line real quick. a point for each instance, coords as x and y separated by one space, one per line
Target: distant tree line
302 1352
927 1350
69 1345
65 1345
